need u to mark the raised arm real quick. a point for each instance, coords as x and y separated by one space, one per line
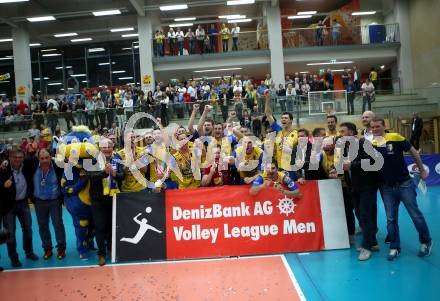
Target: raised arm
193 118
202 120
419 163
268 109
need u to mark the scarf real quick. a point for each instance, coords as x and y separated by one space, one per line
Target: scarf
109 184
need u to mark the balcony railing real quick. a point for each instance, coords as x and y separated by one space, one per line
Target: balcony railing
247 40
328 36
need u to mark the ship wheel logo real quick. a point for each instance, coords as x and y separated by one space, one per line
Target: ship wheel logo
286 206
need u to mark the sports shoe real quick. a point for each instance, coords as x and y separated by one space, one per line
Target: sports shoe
47 254
364 254
83 257
393 254
32 256
425 249
61 254
101 261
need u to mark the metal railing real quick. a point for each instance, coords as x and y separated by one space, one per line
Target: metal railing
246 40
329 36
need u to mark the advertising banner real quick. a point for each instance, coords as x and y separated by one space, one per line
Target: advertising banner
432 165
228 221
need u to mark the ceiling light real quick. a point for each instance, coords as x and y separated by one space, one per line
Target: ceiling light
185 19
62 35
55 84
128 77
78 75
239 20
120 71
34 44
47 50
106 12
84 81
106 64
329 63
12 1
300 17
338 70
173 7
4 81
222 69
5 40
96 49
181 25
229 17
37 78
240 2
5 58
304 72
127 48
81 40
52 54
121 29
130 35
65 67
41 19
312 12
363 13
382 67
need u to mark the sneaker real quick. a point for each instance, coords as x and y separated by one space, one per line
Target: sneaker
364 254
425 249
15 263
393 254
101 261
47 254
61 254
83 257
32 256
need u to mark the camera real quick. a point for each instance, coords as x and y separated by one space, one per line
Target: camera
4 236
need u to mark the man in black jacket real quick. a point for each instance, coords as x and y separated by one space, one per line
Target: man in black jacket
364 186
416 130
103 185
16 187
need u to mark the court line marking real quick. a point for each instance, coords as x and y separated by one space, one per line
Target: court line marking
145 263
293 278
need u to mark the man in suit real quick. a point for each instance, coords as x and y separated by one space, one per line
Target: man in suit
16 186
416 130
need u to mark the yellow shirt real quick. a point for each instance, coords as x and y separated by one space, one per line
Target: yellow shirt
129 183
183 161
255 155
285 138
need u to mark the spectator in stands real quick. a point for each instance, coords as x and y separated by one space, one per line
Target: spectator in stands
52 117
22 107
273 96
235 31
416 130
128 105
399 187
290 97
225 32
24 143
100 112
369 95
48 204
172 41
16 186
207 44
180 39
319 33
200 34
373 77
191 37
90 109
345 78
350 97
159 43
336 32
288 80
224 102
67 110
260 94
356 79
281 94
81 115
213 33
